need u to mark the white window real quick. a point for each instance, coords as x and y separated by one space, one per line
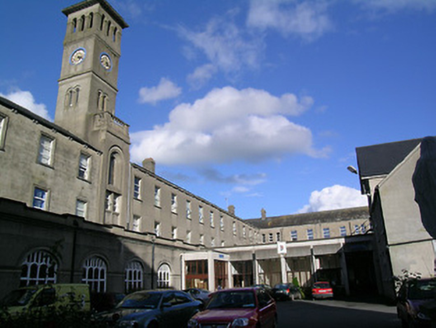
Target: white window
309 234
45 150
278 236
134 276
234 227
200 214
81 208
174 203
326 232
136 225
223 243
222 223
40 198
84 162
294 235
38 268
137 188
174 233
188 236
156 196
94 274
202 239
342 231
3 123
212 242
164 276
356 229
157 228
113 202
212 224
188 209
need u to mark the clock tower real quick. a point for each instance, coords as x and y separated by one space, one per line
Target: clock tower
88 81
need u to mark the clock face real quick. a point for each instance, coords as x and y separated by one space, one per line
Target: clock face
105 61
78 56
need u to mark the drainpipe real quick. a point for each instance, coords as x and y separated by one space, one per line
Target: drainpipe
152 261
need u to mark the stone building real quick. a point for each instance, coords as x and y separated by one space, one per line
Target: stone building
73 208
401 241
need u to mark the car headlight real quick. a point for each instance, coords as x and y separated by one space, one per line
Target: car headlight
193 323
128 323
240 322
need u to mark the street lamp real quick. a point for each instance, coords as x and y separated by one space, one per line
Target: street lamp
352 169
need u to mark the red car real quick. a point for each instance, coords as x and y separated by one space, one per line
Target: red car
322 289
238 307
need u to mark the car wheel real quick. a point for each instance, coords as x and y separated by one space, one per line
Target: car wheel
153 324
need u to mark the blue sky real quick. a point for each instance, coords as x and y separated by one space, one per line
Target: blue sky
256 104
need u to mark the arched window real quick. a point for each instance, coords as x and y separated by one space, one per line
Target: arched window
112 163
94 274
77 95
134 276
38 268
102 23
82 23
91 20
163 276
108 28
114 35
70 98
74 25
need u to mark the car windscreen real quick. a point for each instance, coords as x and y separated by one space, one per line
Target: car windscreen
422 289
141 301
19 297
232 299
322 285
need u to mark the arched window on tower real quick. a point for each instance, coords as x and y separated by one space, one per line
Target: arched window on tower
74 25
102 22
82 23
114 35
77 95
70 98
91 20
108 28
112 163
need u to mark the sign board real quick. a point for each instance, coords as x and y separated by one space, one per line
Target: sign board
281 247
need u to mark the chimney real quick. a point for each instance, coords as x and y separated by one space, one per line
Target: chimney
149 164
231 209
263 214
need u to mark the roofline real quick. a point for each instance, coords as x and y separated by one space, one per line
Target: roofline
88 3
34 117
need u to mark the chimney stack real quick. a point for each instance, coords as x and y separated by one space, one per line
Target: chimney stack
231 209
149 164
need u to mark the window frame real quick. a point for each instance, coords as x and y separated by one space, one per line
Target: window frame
326 232
45 154
310 235
84 170
84 210
44 199
157 199
3 127
137 182
294 235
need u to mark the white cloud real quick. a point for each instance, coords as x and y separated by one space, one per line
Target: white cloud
26 100
308 20
201 75
165 90
335 197
395 5
225 46
228 125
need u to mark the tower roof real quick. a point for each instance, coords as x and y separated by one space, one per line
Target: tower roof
106 6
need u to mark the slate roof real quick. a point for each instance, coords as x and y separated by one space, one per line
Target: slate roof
383 158
345 214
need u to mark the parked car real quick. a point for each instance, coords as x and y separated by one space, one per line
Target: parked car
414 294
268 288
238 307
154 308
44 297
286 291
322 289
199 294
105 301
